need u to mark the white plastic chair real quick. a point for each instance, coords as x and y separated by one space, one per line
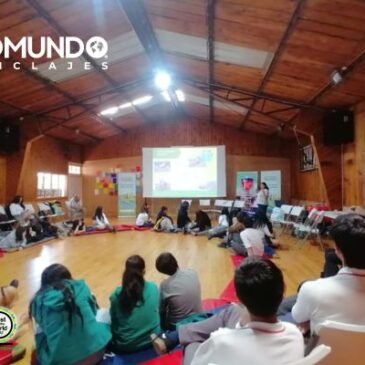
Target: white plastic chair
285 209
315 356
29 207
292 217
239 204
2 211
317 218
228 203
346 341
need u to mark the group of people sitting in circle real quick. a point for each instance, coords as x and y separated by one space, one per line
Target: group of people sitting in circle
242 234
29 227
71 329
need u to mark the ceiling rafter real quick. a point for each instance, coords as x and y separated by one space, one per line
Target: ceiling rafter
293 20
61 31
138 19
210 15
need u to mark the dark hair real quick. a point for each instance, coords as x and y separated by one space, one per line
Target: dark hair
260 220
163 208
265 185
259 285
132 283
225 211
53 277
348 232
166 263
18 199
98 212
184 205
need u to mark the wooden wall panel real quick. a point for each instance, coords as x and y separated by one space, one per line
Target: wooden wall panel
2 179
46 154
188 133
126 164
354 162
325 184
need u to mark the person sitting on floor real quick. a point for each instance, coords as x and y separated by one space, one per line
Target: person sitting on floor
163 213
77 228
202 222
15 239
341 297
100 220
64 310
17 207
218 231
262 223
164 223
144 219
134 309
234 230
242 329
180 294
183 220
252 240
263 340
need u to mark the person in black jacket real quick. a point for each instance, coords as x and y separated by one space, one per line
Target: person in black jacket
202 222
183 219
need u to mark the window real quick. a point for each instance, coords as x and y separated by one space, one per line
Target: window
51 185
74 169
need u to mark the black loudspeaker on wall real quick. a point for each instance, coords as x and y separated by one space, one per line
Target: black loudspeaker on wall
338 127
9 137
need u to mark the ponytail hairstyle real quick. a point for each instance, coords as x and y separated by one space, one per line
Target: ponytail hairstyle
132 283
53 277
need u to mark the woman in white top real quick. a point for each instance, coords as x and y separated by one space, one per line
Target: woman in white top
143 219
101 221
17 207
262 198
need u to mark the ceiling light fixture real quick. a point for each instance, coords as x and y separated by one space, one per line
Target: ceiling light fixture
180 95
109 111
162 80
125 105
142 100
336 77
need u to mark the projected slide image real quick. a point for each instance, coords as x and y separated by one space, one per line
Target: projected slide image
188 171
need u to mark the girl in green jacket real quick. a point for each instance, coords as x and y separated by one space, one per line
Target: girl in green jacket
66 328
134 309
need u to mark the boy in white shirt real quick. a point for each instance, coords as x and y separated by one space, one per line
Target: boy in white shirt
341 297
259 285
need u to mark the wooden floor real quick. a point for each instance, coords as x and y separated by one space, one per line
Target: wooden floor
99 259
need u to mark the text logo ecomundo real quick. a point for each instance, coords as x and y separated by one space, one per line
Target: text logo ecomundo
69 48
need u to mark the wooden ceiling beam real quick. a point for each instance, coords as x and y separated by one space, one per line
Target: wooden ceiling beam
42 13
138 19
210 14
293 20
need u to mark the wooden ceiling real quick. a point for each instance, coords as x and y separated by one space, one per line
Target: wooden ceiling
211 48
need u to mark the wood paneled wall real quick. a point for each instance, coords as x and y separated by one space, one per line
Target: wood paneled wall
354 162
126 164
2 179
45 154
325 184
185 133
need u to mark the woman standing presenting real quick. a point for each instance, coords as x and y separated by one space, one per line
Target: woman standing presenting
263 198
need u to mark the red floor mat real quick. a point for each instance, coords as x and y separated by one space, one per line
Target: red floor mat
174 358
229 293
236 260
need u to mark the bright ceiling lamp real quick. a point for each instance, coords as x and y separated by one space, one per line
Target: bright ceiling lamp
180 95
162 80
109 111
125 105
166 95
142 100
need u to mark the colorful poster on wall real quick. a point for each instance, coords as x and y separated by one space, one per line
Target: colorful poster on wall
127 194
106 183
273 181
246 185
